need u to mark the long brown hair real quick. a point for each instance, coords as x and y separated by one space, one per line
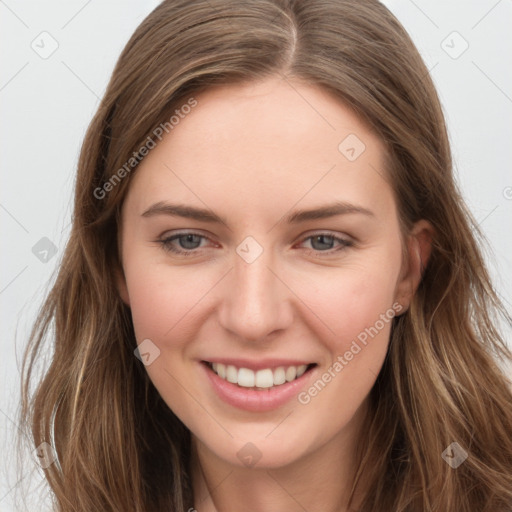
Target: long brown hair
119 447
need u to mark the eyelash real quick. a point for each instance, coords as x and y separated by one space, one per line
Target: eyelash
166 244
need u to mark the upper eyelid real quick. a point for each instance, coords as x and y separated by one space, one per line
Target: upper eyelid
328 232
165 237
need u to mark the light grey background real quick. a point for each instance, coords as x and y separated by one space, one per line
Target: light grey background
47 101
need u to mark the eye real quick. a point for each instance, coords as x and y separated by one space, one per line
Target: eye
322 243
188 243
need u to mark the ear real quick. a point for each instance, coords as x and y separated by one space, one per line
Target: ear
418 249
120 281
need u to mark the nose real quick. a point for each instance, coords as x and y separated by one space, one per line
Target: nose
256 302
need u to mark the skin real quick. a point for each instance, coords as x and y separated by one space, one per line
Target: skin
253 154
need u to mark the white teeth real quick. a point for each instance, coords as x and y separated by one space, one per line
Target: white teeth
279 376
221 370
232 374
245 378
301 369
262 379
291 373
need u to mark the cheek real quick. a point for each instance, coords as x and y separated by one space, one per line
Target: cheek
162 300
360 313
350 301
163 303
357 304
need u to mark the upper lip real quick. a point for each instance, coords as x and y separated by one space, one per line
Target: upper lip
260 364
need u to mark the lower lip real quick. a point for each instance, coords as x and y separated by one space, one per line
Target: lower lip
255 400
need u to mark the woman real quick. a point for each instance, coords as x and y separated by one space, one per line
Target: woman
211 353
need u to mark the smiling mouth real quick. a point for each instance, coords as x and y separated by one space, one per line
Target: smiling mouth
263 379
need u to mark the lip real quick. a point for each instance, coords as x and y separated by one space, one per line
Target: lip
255 400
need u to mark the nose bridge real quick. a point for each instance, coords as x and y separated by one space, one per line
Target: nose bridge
254 302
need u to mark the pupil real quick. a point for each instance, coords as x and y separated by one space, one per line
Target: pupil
189 239
321 237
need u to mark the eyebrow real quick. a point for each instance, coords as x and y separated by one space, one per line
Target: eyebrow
204 215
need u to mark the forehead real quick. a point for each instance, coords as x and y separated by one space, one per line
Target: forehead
274 142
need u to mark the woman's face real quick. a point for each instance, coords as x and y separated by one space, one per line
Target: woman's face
304 270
